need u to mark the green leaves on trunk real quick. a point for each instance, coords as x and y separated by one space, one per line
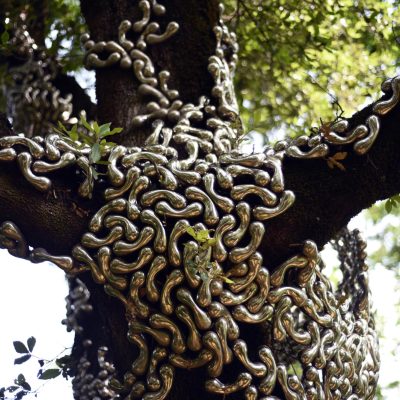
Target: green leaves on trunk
93 135
203 266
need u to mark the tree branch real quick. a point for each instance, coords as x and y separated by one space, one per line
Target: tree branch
326 200
46 221
67 84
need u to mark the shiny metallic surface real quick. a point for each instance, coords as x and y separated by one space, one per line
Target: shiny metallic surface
186 301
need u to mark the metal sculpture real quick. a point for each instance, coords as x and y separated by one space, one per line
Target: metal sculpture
36 105
90 381
187 296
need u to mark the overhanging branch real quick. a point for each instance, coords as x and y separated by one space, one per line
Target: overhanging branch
326 199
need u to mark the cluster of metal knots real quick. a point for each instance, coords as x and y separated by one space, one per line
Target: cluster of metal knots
186 301
92 380
35 104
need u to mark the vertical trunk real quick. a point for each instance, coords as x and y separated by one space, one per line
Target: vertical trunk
185 56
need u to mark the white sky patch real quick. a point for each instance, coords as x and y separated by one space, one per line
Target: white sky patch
32 303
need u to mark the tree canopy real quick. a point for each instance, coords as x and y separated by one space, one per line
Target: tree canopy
298 62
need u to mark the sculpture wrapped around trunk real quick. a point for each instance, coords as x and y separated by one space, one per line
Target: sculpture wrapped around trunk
188 296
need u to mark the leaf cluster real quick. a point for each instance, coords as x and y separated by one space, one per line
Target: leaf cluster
20 388
298 60
202 237
94 136
203 266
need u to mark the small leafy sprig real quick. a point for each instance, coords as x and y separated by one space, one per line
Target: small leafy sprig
21 387
27 349
202 237
93 135
203 265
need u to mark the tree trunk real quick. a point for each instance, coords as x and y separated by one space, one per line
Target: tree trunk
185 55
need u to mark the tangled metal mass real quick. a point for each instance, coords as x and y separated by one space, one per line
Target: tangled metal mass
36 104
182 310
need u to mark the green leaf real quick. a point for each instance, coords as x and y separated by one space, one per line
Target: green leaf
202 236
62 361
113 132
26 386
5 37
20 395
388 206
12 389
94 172
50 374
211 241
227 280
87 139
85 123
22 359
20 379
190 230
73 133
62 129
95 153
20 347
31 343
95 128
104 129
396 198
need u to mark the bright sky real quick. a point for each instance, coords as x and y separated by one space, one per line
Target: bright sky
32 304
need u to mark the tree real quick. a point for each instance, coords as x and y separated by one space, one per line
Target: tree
173 175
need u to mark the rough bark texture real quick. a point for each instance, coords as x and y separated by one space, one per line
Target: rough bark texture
326 198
